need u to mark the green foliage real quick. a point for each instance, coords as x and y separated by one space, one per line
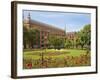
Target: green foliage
30 37
68 43
25 36
85 36
56 42
33 36
81 40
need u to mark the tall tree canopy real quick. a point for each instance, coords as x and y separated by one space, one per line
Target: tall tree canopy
30 37
85 36
56 42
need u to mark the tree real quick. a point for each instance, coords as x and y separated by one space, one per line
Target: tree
30 37
56 42
68 43
85 36
77 42
33 37
25 37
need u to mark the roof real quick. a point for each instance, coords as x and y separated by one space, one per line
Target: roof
43 24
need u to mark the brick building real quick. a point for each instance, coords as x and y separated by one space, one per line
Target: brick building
45 31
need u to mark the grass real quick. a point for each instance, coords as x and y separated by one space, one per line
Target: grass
35 54
53 58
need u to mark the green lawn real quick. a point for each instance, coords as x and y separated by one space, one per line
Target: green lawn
35 54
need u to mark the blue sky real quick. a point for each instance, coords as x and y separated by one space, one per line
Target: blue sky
72 21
